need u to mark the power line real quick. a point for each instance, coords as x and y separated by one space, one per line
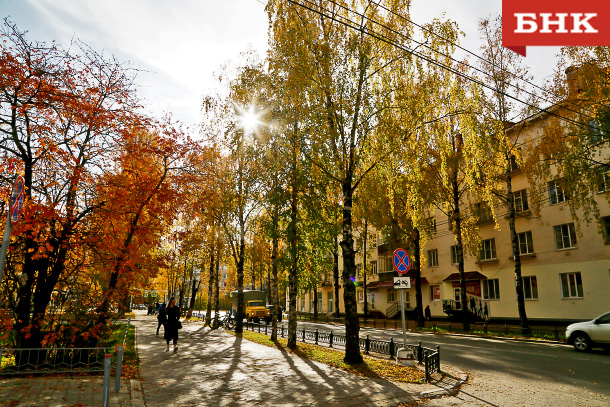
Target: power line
353 25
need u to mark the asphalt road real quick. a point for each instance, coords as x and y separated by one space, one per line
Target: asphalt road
511 373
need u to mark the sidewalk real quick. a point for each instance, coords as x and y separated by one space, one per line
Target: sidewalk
61 391
212 368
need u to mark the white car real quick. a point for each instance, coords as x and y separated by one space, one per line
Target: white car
584 335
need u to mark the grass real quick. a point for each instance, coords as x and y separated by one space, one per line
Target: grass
371 367
7 361
131 361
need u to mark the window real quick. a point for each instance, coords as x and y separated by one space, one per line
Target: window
491 289
407 299
603 180
431 224
360 296
596 133
526 244
454 256
488 249
483 212
373 267
359 270
435 293
513 161
556 192
385 264
303 304
530 288
330 301
391 296
371 300
571 285
606 229
521 201
565 236
319 302
433 258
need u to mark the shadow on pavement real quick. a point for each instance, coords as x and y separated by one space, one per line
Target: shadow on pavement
213 368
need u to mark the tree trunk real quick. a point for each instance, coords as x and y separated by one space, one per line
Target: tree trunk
208 311
336 274
239 325
366 303
292 276
216 286
315 304
417 268
516 253
460 251
194 289
274 289
352 325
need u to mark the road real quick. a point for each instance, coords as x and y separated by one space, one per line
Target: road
508 372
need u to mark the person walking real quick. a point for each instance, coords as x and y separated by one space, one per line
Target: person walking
428 313
162 318
173 324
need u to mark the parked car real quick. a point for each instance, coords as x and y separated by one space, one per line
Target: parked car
585 335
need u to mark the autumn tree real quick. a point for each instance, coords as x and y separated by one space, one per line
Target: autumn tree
506 75
60 114
348 79
227 124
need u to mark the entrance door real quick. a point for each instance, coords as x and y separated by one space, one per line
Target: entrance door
456 296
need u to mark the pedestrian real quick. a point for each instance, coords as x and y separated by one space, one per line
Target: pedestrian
173 324
149 312
162 318
428 313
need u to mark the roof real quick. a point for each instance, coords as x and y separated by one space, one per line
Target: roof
380 284
469 275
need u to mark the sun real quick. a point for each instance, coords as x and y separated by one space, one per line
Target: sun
249 119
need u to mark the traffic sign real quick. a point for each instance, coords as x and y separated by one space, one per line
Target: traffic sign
402 282
402 263
17 197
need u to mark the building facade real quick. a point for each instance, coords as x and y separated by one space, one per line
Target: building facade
565 261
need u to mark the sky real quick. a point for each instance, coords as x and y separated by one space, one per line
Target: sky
180 45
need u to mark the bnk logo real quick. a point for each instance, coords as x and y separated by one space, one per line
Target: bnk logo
554 23
528 23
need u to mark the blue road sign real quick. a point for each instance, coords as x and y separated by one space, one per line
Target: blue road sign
402 262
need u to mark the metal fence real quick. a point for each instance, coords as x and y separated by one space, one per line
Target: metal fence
430 358
26 361
485 329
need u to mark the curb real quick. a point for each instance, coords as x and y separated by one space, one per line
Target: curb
135 385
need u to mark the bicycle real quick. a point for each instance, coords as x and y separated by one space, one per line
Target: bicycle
228 322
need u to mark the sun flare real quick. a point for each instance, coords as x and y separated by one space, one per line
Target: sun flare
249 120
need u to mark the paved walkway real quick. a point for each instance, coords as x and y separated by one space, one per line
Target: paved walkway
59 392
212 368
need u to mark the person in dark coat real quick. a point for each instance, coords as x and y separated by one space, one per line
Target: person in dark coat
162 318
428 313
171 326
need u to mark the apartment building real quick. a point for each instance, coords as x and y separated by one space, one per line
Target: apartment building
565 262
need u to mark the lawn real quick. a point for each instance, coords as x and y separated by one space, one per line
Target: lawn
371 367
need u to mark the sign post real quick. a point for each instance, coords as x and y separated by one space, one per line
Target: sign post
402 263
15 207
